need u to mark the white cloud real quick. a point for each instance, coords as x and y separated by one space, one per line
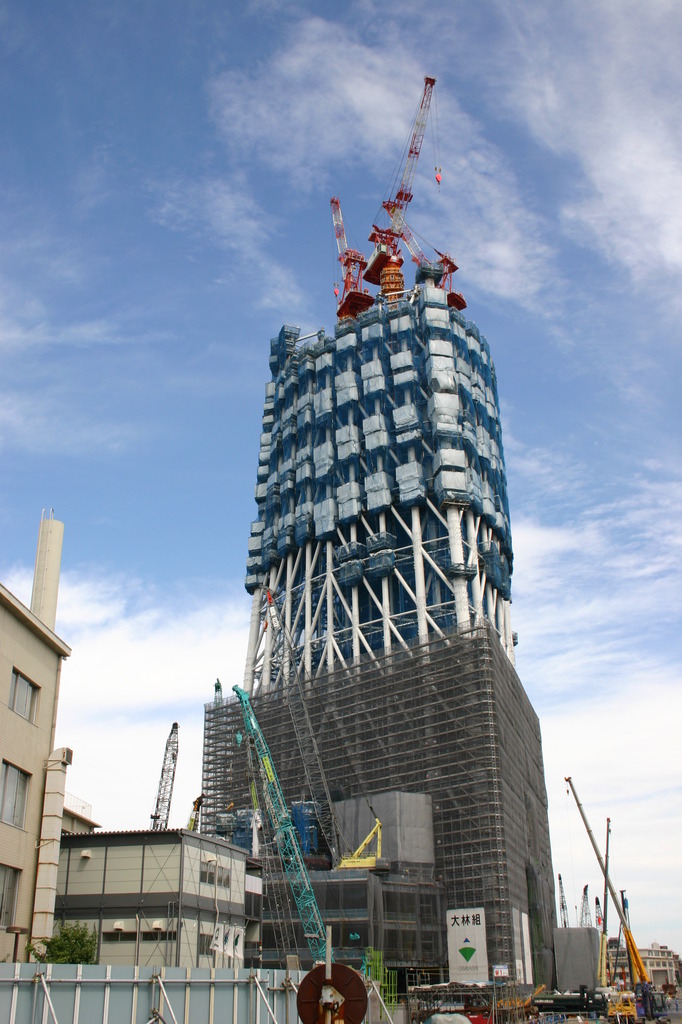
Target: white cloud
230 214
326 103
140 662
226 207
604 88
324 98
595 605
56 425
29 320
481 212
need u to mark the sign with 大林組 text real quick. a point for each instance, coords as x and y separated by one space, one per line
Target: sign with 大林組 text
467 948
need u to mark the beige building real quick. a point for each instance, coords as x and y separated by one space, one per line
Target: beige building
77 815
32 773
662 964
171 897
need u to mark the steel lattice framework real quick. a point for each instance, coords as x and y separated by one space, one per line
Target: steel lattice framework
448 718
383 537
382 504
165 791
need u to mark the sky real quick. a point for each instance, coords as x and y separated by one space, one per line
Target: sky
166 171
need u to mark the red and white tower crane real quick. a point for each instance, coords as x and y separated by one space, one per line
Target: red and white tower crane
385 262
439 271
353 299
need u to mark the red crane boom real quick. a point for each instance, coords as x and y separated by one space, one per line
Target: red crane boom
387 240
396 207
353 299
384 266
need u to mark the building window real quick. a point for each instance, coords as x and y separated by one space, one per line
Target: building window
13 794
23 696
209 870
9 878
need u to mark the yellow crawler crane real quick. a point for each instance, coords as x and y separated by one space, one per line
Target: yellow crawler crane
356 860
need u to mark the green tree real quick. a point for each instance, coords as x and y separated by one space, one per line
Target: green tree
72 944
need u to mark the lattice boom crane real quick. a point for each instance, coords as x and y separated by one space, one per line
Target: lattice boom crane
353 299
563 906
163 797
285 834
585 915
387 240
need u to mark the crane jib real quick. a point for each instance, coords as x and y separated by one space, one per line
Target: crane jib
286 837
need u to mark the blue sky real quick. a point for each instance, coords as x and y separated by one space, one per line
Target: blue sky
166 172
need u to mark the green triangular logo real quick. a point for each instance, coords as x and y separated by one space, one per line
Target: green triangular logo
467 952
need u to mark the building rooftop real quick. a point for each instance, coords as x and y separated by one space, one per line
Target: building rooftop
25 615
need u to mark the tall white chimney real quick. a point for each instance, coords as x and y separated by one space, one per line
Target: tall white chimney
48 566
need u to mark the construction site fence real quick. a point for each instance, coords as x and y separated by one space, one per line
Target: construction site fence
77 994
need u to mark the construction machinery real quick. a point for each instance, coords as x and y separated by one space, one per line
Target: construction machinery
371 861
195 815
643 988
384 265
603 939
385 262
636 959
161 812
284 830
313 766
439 271
354 299
563 906
585 915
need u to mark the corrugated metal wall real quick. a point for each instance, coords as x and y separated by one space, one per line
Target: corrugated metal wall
71 994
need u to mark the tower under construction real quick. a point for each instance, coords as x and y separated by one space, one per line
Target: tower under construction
383 538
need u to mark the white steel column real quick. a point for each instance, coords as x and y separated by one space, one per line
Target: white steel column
472 538
499 617
508 632
385 595
419 581
330 604
269 640
355 606
386 612
490 602
454 517
288 639
307 629
254 637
